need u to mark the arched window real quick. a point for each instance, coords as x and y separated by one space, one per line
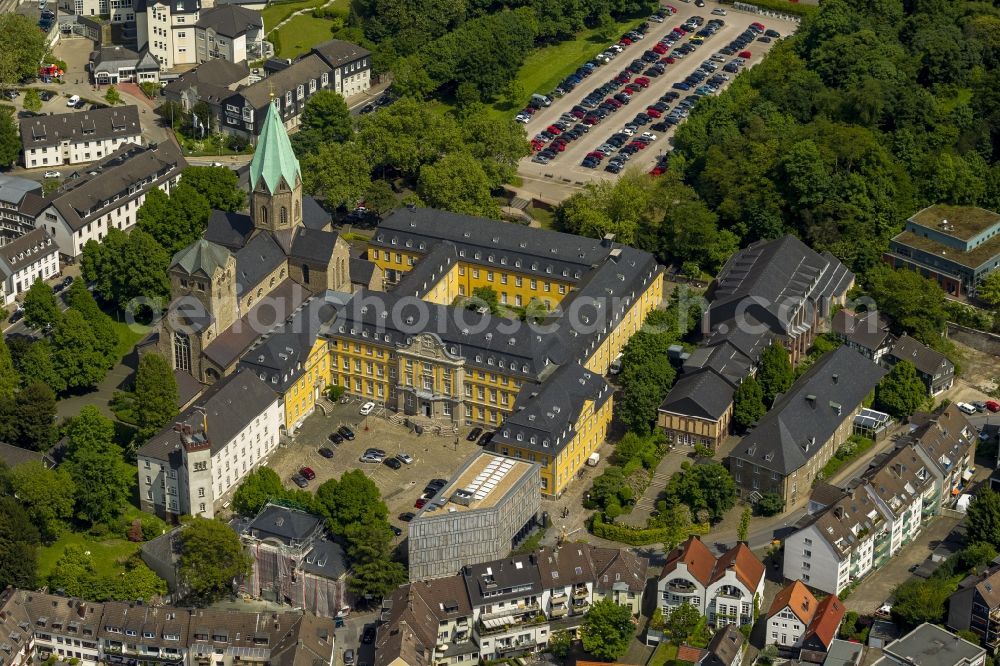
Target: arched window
263 216
281 275
260 292
284 216
305 273
272 281
297 210
182 352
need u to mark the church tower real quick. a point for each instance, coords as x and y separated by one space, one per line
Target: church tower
275 178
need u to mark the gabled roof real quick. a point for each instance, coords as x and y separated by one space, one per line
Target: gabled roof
702 394
201 257
284 524
725 647
337 52
748 569
696 555
92 125
925 359
230 20
803 419
826 622
869 330
797 598
274 160
26 250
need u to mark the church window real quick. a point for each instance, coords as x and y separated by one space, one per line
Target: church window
260 292
297 214
305 273
284 216
263 215
182 352
271 284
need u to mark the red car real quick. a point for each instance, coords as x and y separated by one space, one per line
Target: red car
642 81
308 473
577 114
559 145
554 130
419 504
745 54
660 48
653 113
613 102
993 405
638 144
670 8
597 155
591 120
657 171
625 41
759 26
537 145
668 60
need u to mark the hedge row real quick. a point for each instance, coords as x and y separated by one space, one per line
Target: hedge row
629 535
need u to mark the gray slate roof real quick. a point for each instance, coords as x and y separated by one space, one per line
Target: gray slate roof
869 330
12 456
88 195
925 359
313 246
228 405
337 52
33 245
930 645
284 524
493 577
769 276
229 230
92 125
361 271
326 559
701 394
314 216
213 80
803 419
230 20
259 257
298 73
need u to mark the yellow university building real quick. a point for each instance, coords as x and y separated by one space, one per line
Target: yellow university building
275 292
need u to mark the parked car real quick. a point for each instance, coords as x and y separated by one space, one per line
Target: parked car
72 101
308 473
367 408
375 452
300 480
979 405
419 504
486 438
407 516
392 462
993 405
326 452
368 635
966 407
53 174
404 458
370 458
346 433
348 657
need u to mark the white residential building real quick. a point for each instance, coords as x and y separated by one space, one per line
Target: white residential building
185 32
860 530
796 620
33 256
228 432
108 195
722 589
76 138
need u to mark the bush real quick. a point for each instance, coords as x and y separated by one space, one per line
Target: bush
770 504
629 535
334 392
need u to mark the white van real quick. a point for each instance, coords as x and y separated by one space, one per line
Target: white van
73 101
594 459
966 407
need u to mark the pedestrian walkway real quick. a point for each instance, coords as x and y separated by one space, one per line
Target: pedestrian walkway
644 507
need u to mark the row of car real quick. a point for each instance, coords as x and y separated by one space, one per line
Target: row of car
483 438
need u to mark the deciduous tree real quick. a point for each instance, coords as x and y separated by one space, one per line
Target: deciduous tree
9 377
354 498
901 391
982 520
707 487
35 411
748 403
103 480
23 48
112 96
32 102
457 183
775 373
155 395
607 629
212 559
257 488
48 495
219 186
174 221
339 173
10 137
19 541
681 623
40 307
325 119
75 355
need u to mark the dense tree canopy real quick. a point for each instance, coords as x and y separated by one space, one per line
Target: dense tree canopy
607 629
703 487
901 392
40 307
178 219
325 119
10 136
23 48
212 559
103 479
126 266
257 487
748 403
219 186
354 498
775 372
983 518
155 395
48 495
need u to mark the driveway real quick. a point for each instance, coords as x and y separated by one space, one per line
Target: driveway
878 586
565 170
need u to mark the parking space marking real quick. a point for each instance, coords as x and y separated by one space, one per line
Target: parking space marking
566 167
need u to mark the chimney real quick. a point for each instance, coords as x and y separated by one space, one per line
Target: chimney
835 377
839 512
81 609
607 240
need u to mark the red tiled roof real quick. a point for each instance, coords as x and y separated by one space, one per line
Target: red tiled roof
691 654
799 600
749 570
696 555
826 621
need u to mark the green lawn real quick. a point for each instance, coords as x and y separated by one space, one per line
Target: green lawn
664 655
301 34
544 68
128 337
105 552
275 13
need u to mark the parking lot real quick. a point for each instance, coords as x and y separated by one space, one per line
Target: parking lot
433 456
567 166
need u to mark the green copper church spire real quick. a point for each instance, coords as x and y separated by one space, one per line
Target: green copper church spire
274 158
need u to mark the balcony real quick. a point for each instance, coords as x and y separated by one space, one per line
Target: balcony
558 596
679 588
581 592
559 611
514 646
510 610
580 605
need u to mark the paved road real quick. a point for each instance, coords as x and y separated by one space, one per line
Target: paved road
565 169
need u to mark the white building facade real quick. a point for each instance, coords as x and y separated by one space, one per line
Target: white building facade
33 256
